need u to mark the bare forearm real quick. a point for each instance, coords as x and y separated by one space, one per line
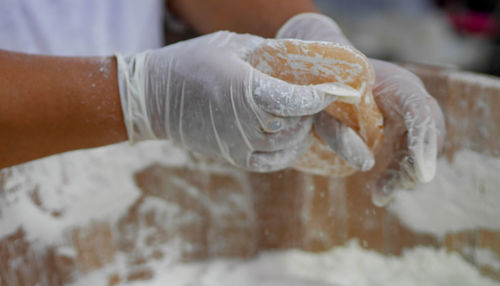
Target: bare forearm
259 17
50 105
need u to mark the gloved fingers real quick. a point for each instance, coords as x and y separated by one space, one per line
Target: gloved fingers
402 98
284 99
438 116
422 144
265 131
391 181
426 132
399 174
344 141
274 161
312 27
287 137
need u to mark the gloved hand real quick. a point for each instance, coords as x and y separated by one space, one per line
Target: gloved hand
203 94
414 124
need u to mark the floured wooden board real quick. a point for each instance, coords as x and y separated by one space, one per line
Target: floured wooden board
122 212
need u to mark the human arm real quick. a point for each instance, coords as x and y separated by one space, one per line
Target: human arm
258 17
199 93
53 104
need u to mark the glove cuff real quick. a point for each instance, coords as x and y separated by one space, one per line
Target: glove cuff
131 84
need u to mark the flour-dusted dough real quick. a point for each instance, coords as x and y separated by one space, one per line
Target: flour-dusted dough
304 62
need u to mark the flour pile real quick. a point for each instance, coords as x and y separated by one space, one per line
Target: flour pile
350 265
464 195
52 195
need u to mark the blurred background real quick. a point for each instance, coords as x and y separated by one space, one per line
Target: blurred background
453 33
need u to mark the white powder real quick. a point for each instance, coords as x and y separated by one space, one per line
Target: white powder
464 195
98 185
50 196
484 257
350 265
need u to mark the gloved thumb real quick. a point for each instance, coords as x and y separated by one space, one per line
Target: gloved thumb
285 99
401 96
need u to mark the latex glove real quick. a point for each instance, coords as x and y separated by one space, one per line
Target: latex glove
203 94
414 124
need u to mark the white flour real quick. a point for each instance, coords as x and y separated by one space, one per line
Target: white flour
350 265
486 258
464 195
483 257
76 188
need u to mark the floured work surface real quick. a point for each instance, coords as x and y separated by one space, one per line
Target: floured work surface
116 215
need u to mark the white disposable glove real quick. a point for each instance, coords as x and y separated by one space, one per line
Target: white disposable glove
203 94
414 124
